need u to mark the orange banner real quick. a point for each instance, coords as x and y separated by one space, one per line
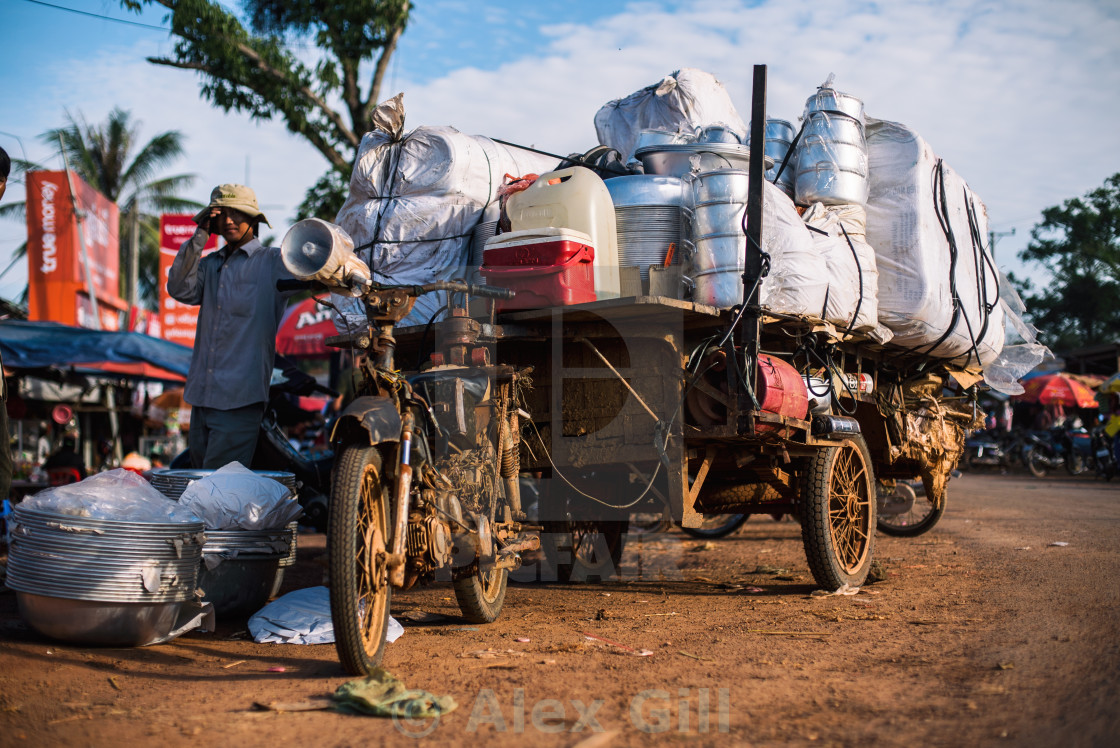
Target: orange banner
176 321
56 273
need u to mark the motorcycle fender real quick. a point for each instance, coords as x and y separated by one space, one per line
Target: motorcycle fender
368 418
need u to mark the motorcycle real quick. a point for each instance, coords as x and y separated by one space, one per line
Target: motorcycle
426 469
1104 454
1058 447
984 448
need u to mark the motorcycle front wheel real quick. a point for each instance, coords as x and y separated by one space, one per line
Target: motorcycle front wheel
358 534
1036 463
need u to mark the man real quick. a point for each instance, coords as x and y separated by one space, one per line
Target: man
5 436
235 343
66 456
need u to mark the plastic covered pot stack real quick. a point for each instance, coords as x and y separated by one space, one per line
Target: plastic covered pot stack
832 153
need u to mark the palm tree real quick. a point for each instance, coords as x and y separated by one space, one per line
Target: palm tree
112 159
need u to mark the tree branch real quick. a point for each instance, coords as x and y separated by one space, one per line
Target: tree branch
379 74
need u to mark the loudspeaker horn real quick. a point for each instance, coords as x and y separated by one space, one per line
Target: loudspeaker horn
314 249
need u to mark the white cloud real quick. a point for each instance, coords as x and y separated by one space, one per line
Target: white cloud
1019 95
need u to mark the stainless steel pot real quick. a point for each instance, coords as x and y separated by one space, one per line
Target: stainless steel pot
718 134
723 185
114 624
837 128
717 218
846 156
681 159
824 183
831 100
645 189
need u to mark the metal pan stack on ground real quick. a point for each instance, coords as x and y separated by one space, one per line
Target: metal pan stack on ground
832 154
241 569
94 581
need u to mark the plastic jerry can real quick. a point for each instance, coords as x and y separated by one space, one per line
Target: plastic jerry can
574 198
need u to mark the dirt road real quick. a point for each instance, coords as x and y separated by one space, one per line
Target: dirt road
984 633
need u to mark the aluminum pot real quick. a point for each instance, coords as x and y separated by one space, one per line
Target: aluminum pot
683 159
717 218
834 127
718 134
777 129
844 156
724 185
826 184
831 100
721 287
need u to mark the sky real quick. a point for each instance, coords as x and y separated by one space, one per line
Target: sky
1019 96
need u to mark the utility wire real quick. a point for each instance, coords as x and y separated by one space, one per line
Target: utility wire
96 15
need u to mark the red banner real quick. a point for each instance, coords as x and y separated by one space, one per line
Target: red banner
56 273
176 321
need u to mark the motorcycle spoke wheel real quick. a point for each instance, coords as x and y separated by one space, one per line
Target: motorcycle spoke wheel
1036 463
839 514
919 518
480 595
358 535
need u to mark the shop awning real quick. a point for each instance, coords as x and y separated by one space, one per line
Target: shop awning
38 345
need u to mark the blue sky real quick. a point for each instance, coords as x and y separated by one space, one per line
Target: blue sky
1019 96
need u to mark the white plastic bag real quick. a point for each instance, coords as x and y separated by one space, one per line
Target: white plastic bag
118 495
302 617
234 497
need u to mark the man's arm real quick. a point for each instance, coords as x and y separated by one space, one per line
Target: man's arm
183 281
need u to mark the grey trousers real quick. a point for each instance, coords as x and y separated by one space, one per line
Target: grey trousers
219 437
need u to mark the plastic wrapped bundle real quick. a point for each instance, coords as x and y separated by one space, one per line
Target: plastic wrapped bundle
853 286
798 280
415 200
686 101
939 290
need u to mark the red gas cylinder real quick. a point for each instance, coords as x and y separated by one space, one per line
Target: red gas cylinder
781 389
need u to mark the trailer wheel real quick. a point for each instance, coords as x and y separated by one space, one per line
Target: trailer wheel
838 509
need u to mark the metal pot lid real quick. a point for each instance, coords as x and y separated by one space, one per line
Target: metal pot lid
740 152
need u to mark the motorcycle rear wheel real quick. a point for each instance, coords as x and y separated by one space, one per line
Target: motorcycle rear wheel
481 594
358 534
919 519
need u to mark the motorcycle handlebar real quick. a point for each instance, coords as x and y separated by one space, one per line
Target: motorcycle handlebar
488 292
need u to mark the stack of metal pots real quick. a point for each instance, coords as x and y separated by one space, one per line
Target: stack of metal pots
779 137
648 212
97 581
241 569
719 202
832 153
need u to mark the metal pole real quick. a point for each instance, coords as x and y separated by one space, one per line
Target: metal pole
752 261
134 256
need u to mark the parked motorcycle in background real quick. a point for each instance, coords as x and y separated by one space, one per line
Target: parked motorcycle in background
1056 448
1104 454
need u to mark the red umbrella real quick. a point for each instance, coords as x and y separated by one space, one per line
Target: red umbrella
304 328
1059 389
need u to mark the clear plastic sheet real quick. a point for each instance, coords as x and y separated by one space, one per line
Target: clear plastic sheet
417 197
853 278
916 202
234 497
1022 353
686 101
119 495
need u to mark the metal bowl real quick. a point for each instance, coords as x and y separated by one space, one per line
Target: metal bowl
239 586
111 624
831 100
680 160
826 184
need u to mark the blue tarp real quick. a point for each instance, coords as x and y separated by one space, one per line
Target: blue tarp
36 345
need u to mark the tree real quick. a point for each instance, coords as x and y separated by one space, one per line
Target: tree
114 160
257 70
1079 244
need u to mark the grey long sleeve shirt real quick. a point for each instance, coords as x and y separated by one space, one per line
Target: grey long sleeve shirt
235 342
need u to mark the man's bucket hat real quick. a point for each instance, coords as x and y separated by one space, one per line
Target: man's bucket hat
236 196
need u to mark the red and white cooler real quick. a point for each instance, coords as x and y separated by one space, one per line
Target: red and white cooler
547 267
